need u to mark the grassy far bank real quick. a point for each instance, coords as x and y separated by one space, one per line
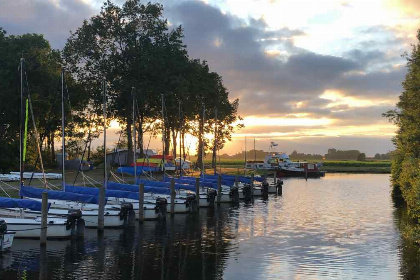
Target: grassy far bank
351 166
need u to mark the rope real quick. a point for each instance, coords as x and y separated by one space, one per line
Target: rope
4 191
10 186
90 180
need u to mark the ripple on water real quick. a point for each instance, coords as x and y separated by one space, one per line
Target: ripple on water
337 227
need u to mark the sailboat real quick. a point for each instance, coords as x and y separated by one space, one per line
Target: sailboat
88 205
12 211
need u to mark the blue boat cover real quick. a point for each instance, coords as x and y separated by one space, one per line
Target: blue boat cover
242 179
37 193
6 202
191 181
178 186
140 169
95 192
135 188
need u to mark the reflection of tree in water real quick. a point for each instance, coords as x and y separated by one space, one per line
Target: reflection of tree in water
410 253
185 247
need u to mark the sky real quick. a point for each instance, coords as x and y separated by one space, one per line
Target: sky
309 75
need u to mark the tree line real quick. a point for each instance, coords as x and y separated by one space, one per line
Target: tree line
405 168
146 68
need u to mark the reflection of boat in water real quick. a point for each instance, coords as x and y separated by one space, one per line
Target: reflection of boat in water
284 167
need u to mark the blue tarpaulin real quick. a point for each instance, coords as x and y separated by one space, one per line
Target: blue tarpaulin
189 187
37 193
6 202
140 169
242 179
95 192
135 188
191 181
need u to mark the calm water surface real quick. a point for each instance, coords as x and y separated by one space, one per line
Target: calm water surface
338 227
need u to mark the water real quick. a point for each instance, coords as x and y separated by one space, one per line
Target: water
338 227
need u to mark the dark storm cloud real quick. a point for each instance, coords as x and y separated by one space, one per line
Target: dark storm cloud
44 17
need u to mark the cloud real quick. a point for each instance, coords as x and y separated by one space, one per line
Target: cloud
54 18
260 64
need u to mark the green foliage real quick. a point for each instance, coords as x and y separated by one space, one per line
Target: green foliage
132 49
405 163
302 156
334 154
361 157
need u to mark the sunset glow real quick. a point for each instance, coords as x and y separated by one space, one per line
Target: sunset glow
322 72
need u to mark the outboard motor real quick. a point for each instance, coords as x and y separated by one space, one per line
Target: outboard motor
191 202
279 187
75 222
127 214
3 227
246 190
161 206
264 189
211 196
234 194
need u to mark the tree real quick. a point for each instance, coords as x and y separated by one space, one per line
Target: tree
41 78
361 157
124 45
405 166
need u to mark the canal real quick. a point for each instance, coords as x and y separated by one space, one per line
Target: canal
342 226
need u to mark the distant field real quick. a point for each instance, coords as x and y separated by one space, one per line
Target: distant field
354 163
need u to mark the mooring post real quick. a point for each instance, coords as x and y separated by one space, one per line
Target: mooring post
197 191
173 193
101 209
219 189
141 203
252 185
44 214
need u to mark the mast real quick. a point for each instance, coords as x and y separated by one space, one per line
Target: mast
202 143
163 138
63 143
180 143
245 156
105 163
215 142
20 124
255 152
134 134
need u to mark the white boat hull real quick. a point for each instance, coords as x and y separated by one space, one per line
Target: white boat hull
31 228
89 213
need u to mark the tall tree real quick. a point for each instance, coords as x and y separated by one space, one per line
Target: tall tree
406 159
119 45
